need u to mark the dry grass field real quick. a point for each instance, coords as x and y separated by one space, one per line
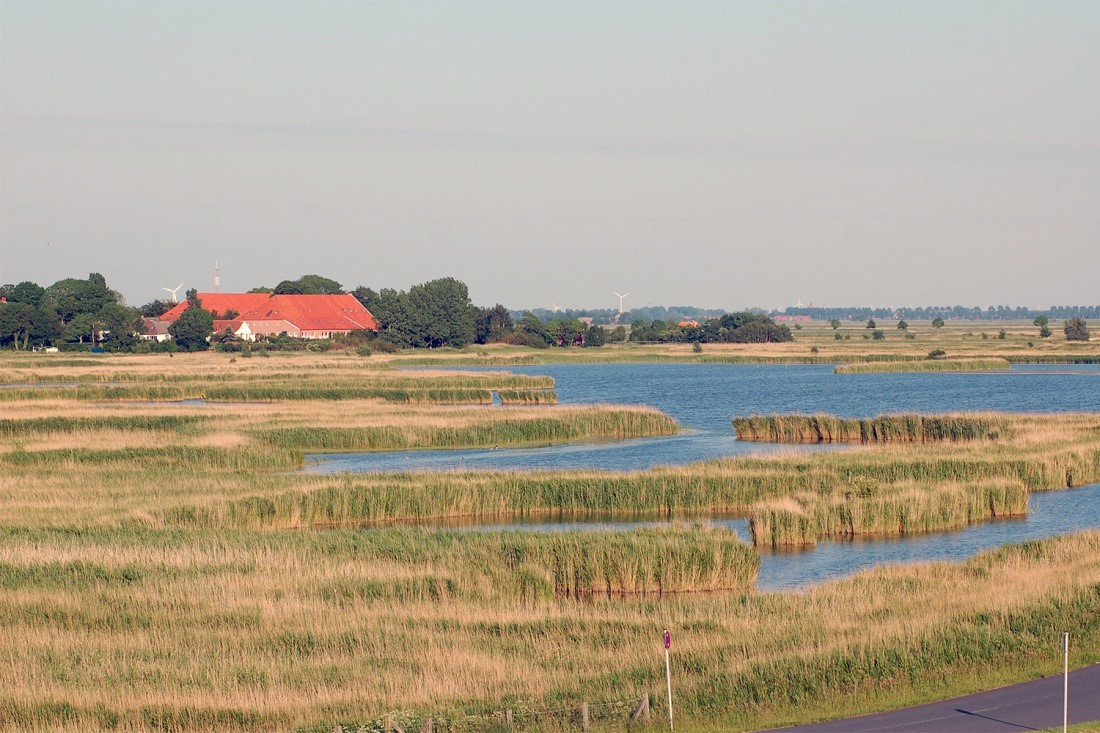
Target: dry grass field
167 567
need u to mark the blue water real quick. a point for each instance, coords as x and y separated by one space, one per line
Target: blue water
705 397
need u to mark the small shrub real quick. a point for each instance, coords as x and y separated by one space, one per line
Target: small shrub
813 350
697 348
937 354
878 335
363 351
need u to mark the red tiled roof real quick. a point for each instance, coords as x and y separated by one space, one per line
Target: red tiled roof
220 303
314 312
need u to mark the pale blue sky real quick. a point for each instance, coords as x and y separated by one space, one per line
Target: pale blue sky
712 154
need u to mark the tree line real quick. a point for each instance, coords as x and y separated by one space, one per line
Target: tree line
88 313
957 312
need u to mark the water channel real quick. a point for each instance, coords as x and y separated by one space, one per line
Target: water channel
704 397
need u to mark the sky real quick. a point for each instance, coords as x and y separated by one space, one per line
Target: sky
721 155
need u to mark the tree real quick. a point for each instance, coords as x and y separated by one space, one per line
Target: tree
16 321
1076 330
937 323
309 285
493 324
878 335
441 314
871 323
1044 332
903 326
594 336
1043 324
155 308
530 331
192 329
835 323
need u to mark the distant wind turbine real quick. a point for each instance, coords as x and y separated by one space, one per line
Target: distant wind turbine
622 297
174 291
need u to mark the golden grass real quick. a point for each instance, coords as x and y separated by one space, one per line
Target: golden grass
139 591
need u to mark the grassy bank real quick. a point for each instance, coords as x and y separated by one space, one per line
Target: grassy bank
927 365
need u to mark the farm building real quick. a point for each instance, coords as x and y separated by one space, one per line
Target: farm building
301 316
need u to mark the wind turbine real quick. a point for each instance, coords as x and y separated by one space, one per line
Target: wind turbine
175 292
622 297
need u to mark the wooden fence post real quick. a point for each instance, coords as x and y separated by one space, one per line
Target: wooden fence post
584 717
508 719
429 726
642 711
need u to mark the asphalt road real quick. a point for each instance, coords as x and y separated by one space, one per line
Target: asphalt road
1028 706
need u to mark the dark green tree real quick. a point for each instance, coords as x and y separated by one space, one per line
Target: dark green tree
192 329
835 323
493 324
155 308
16 322
594 336
530 331
309 285
1076 330
871 323
937 323
903 326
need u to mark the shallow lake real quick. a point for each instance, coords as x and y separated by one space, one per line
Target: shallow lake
705 397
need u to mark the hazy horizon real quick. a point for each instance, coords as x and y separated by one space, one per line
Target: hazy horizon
724 155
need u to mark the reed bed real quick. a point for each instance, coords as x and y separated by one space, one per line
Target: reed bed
867 508
604 423
881 429
929 365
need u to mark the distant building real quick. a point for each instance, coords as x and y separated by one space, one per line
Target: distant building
790 319
263 314
688 324
155 329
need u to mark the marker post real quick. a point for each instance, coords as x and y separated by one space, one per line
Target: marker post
1065 684
668 675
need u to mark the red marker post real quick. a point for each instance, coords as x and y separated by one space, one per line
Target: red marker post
668 675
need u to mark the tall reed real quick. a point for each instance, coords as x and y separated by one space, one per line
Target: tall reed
867 508
881 429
